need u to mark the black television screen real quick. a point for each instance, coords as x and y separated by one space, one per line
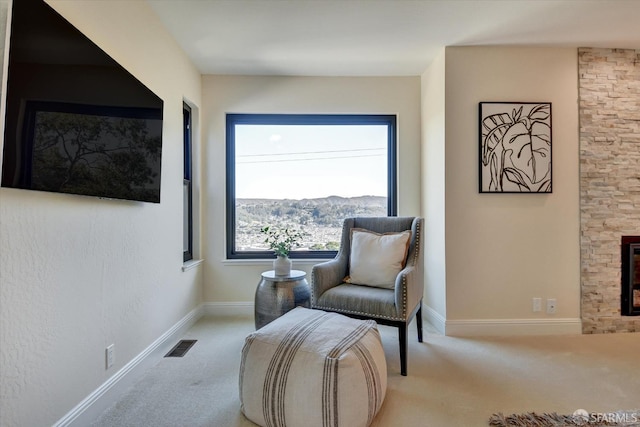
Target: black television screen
76 121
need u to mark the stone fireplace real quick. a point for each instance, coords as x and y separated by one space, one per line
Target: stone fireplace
630 261
609 113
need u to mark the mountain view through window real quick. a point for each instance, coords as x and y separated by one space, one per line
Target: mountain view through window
308 178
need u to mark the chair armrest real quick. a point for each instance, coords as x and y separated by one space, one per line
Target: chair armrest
325 276
409 289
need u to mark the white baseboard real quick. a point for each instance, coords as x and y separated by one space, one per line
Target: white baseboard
470 327
104 396
435 318
228 309
501 327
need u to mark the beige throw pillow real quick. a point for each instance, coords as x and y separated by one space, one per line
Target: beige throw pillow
376 259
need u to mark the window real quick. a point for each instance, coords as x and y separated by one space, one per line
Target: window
187 186
306 173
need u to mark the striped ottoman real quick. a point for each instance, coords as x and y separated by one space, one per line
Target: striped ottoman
313 368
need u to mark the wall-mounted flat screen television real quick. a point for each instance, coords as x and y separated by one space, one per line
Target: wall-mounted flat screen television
76 121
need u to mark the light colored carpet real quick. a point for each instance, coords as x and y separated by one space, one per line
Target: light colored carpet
451 382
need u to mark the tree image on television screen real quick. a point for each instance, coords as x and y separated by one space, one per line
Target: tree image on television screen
116 157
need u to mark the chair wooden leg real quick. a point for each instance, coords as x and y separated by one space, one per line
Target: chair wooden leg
419 322
402 333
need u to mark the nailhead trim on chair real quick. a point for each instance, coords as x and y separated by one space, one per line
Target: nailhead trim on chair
404 296
404 289
404 278
360 313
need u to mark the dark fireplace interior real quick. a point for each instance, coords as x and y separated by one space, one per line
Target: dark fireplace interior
630 275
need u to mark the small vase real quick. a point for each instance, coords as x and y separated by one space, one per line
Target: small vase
282 266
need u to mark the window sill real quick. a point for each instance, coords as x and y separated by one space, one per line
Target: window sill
269 262
188 265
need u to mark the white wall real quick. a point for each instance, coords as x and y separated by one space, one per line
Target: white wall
235 281
5 11
504 249
433 190
80 273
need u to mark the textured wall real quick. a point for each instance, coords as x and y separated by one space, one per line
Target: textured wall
609 88
80 273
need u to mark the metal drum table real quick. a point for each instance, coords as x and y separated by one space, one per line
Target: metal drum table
276 295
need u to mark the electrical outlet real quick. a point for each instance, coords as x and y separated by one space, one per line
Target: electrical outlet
551 306
537 304
109 356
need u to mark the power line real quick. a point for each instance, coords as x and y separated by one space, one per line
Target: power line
316 158
310 152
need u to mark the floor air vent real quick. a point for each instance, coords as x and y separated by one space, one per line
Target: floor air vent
181 348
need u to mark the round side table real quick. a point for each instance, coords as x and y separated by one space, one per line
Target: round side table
275 295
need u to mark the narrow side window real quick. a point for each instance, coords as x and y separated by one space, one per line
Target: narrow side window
187 189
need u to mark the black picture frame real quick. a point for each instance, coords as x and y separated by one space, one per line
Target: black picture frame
515 142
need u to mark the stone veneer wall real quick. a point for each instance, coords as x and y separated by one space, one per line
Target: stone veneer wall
609 105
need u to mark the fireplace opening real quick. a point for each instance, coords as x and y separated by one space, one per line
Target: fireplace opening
630 251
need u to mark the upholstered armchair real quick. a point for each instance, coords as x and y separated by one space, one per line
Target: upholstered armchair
377 274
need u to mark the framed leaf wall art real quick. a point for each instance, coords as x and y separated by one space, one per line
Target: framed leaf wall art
515 147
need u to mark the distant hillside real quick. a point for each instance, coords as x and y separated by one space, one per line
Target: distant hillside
320 219
323 211
333 200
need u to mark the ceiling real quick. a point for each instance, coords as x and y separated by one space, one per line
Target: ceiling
381 37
